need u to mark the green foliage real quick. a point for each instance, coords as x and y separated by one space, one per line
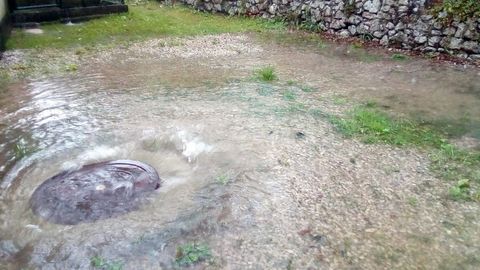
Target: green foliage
307 89
399 57
266 74
101 263
223 179
308 25
71 67
289 95
373 126
141 22
460 191
452 163
192 253
21 149
461 9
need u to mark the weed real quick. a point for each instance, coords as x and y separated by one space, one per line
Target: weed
192 253
339 100
101 263
294 107
366 36
265 91
399 57
266 74
461 190
71 67
317 113
412 201
223 179
21 149
362 54
357 45
307 89
308 25
289 95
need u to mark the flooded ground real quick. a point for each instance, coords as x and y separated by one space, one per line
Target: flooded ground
249 168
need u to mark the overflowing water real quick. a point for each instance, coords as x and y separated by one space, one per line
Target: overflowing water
236 173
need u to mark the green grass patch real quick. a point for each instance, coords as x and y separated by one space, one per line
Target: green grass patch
141 22
289 95
266 74
192 253
98 262
222 179
399 57
371 125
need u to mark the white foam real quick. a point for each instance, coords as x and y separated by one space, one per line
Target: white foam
192 147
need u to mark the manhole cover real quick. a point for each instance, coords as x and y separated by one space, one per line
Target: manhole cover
95 191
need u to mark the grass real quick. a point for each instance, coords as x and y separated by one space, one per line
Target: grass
223 179
192 253
289 95
101 263
399 57
141 22
362 54
371 125
374 126
266 74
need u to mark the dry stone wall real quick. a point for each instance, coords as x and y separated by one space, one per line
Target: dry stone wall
406 24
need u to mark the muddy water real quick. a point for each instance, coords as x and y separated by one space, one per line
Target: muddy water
250 168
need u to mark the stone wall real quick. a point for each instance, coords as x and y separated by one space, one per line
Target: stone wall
405 24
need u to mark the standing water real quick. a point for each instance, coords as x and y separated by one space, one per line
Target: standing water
248 167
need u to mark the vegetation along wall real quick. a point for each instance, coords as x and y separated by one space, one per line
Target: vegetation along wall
451 26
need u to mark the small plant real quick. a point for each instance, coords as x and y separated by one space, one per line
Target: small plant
21 149
412 201
289 95
265 91
308 25
339 100
192 253
71 67
461 190
307 89
223 179
399 57
366 36
101 263
357 45
266 74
